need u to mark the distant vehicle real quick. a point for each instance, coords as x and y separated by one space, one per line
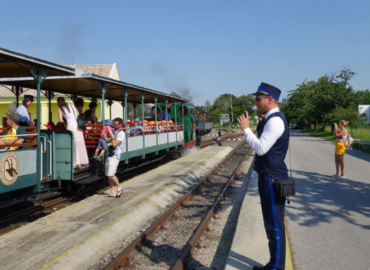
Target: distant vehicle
298 125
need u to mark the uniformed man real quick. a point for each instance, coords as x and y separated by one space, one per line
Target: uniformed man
271 147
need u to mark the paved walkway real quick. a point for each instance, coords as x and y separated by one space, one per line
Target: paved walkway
328 221
76 237
249 246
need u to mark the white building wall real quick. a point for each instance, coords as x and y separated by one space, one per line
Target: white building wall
364 109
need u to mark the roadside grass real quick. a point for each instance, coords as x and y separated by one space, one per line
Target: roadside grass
360 133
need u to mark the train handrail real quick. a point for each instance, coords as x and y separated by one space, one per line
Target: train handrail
50 159
41 150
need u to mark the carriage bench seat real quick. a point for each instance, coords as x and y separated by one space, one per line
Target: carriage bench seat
31 139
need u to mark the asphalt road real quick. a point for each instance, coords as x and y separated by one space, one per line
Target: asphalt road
328 218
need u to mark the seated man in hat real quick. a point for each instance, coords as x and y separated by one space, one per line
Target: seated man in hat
14 130
165 115
136 129
22 110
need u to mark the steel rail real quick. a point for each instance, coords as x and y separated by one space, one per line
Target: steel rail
231 134
31 210
193 241
125 256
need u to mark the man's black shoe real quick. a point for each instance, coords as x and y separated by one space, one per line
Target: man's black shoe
260 268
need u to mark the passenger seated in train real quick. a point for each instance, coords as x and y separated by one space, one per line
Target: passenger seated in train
153 113
162 126
22 111
103 140
136 129
151 127
171 127
12 121
147 128
165 115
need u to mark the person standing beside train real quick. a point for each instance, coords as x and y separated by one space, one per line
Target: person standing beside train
118 137
70 113
22 110
271 147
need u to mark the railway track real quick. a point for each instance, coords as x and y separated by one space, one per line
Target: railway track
226 134
164 238
31 211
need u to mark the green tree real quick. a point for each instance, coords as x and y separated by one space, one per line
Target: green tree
242 104
317 101
363 96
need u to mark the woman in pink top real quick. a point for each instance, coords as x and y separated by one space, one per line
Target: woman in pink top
340 148
69 113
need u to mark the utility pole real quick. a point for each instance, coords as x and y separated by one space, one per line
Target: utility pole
231 103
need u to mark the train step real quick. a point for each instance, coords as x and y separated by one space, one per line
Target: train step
88 180
10 202
45 196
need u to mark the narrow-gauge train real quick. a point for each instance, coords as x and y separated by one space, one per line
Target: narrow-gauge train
44 165
203 124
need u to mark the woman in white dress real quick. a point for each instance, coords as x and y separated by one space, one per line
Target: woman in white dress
70 113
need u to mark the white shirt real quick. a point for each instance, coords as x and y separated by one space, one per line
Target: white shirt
272 131
120 135
69 115
23 113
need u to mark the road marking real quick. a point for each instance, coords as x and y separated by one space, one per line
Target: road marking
288 256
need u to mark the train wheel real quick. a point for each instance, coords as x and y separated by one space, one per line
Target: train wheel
71 188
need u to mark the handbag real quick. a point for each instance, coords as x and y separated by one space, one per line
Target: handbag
80 122
283 188
348 142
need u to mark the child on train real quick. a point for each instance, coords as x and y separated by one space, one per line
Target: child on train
103 140
136 129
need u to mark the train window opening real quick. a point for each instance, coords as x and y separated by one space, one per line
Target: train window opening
185 111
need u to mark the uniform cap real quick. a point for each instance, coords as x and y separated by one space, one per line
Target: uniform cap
30 97
268 90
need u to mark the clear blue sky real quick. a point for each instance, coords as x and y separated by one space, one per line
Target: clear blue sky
203 48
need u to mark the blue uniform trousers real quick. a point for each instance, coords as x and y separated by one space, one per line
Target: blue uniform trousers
273 217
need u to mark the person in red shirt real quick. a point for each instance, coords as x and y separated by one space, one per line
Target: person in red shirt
103 140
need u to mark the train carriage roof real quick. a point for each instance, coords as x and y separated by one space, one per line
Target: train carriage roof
13 64
14 70
87 84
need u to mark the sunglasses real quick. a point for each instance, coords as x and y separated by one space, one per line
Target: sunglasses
259 98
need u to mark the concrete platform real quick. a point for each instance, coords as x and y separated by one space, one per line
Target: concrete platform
250 245
78 236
